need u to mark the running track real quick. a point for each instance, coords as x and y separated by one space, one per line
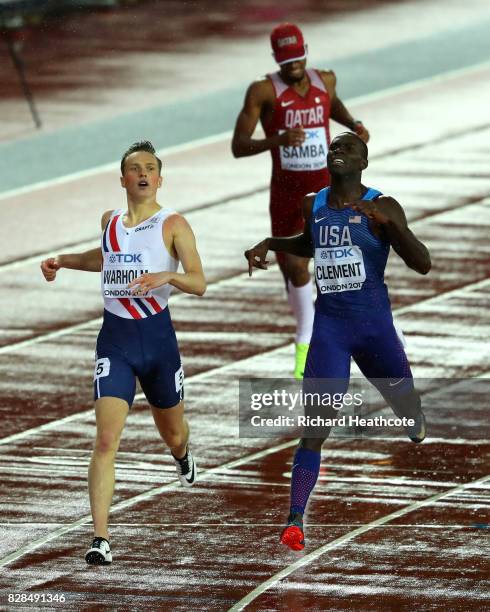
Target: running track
390 523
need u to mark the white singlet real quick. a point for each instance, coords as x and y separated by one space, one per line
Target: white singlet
129 252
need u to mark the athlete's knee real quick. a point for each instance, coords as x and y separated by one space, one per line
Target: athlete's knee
314 444
107 442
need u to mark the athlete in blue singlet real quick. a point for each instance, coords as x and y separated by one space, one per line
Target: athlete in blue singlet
349 229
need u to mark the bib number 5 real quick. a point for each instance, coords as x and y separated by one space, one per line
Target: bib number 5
102 368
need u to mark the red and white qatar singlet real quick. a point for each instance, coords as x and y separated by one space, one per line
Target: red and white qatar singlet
129 252
301 167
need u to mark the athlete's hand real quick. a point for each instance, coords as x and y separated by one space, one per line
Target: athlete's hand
361 131
151 280
292 138
49 267
256 256
370 209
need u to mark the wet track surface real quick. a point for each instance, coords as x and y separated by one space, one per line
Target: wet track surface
209 547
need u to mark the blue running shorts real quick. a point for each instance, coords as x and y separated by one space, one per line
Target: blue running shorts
371 340
139 348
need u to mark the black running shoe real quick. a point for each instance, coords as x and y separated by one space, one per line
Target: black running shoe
99 553
418 431
186 469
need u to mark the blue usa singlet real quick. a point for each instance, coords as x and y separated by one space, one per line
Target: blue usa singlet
352 314
349 259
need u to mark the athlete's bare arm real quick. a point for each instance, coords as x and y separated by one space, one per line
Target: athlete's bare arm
259 99
88 261
180 241
300 245
338 111
387 213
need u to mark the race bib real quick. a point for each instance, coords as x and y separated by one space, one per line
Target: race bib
119 270
311 155
339 269
102 368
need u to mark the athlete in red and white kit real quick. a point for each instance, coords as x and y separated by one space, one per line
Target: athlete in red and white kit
294 106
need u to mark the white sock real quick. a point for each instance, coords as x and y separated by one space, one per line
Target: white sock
301 301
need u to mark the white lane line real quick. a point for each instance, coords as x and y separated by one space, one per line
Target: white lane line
72 329
470 287
15 346
313 556
80 326
84 245
139 396
254 525
372 97
92 243
215 371
113 166
132 501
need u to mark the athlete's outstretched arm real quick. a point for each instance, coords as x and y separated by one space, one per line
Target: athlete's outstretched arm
338 111
300 245
183 247
387 213
89 261
242 144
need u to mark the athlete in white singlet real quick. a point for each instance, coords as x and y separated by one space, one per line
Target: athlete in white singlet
139 255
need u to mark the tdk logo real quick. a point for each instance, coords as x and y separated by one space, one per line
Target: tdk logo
125 258
337 253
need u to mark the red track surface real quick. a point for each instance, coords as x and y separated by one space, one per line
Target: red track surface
208 548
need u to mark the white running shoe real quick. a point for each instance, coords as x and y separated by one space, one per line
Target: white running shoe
99 553
186 469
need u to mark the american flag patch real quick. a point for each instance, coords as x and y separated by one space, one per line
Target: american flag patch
355 219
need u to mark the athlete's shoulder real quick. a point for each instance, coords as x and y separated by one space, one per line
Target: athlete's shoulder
386 200
176 222
391 207
328 76
105 218
329 80
261 90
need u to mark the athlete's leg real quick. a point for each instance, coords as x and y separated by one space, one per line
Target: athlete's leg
327 371
110 413
287 220
173 428
114 389
384 363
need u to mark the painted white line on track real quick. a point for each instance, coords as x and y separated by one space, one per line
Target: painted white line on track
71 329
313 556
132 501
372 97
470 287
215 371
36 259
113 166
97 321
254 525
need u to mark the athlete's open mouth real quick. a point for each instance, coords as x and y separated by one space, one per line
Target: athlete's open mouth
338 160
143 184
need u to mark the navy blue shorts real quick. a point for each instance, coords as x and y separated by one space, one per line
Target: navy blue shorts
371 340
139 348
